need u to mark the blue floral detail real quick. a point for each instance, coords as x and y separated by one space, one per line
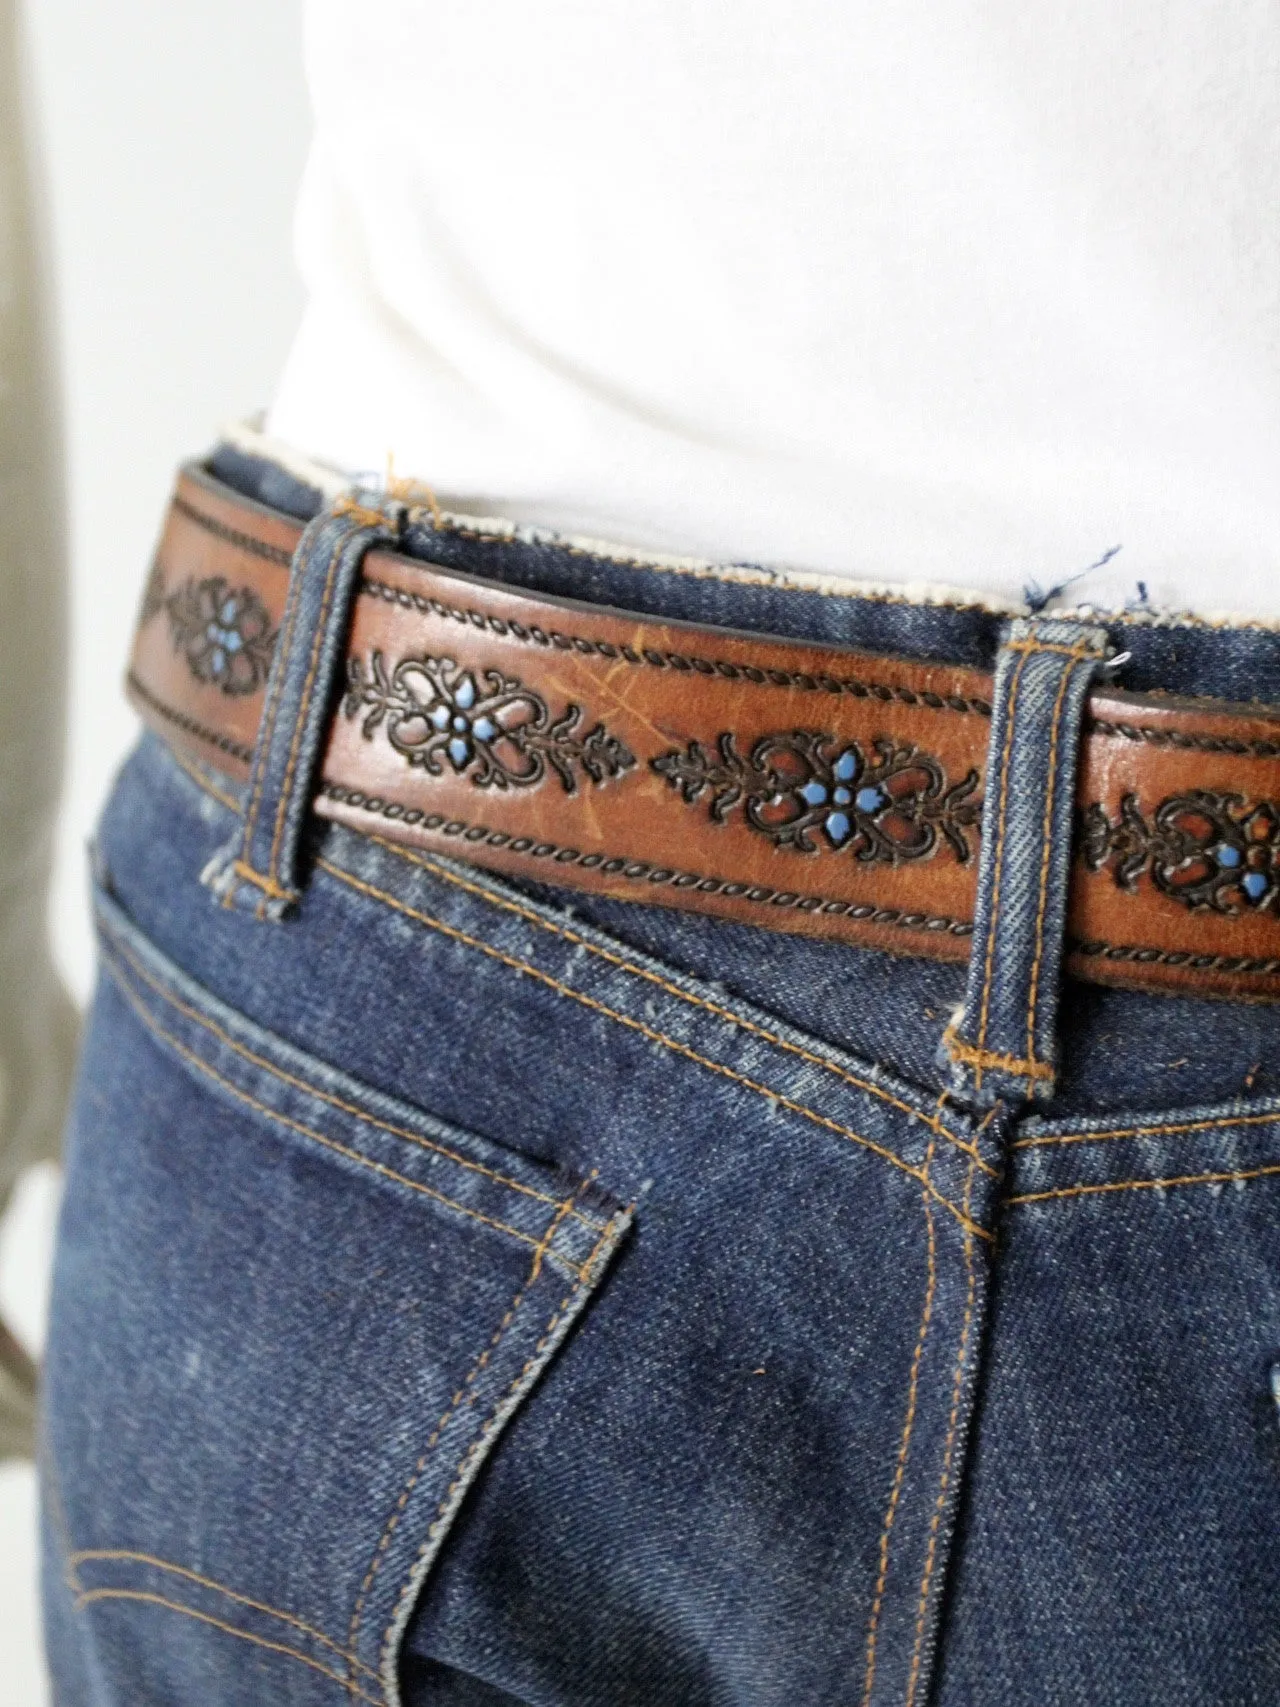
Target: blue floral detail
226 635
486 724
1209 851
892 805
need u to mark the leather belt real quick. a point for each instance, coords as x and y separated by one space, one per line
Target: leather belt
804 788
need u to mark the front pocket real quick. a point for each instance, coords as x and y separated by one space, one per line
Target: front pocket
292 1316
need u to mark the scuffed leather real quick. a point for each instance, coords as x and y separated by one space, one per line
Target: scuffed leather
640 838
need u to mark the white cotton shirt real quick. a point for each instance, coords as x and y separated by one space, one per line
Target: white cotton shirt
943 291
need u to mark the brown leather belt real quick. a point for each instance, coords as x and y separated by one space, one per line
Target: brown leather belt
804 788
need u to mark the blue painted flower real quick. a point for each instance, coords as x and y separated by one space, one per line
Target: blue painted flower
839 822
453 715
226 634
1255 885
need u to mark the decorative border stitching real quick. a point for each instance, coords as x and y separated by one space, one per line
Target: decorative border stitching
1190 740
639 870
680 661
189 725
1120 952
242 541
1126 952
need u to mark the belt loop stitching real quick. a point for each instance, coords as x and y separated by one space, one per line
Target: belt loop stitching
313 665
1046 856
1001 828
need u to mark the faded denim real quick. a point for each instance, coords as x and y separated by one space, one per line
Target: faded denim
471 1293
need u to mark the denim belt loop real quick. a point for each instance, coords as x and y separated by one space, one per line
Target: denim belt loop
259 870
1002 1042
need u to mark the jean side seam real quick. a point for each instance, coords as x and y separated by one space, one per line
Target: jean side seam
149 1598
953 1423
51 1484
337 1102
904 1448
268 1113
655 1036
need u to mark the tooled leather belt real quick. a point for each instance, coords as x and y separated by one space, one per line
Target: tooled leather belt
804 788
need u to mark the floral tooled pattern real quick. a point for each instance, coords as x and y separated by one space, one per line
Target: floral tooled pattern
1203 849
483 722
891 805
224 632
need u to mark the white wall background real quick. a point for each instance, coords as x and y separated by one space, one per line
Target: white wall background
172 138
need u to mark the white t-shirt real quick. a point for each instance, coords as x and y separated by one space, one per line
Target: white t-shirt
946 291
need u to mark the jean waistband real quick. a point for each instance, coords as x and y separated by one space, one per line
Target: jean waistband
776 750
1173 653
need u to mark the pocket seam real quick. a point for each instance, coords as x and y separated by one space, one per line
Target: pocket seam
91 1555
353 1689
338 1102
479 1443
478 1365
212 1072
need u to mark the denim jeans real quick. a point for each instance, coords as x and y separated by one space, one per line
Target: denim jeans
472 1293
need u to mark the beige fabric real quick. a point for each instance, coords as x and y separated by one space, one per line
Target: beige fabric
37 1020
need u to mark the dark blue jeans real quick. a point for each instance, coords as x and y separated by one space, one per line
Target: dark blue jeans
470 1293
